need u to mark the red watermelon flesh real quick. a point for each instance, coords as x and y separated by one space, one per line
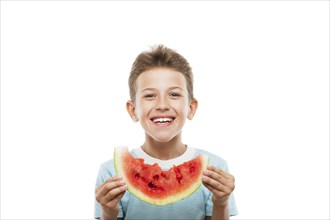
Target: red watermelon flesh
155 186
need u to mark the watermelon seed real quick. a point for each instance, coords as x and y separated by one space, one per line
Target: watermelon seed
155 188
137 176
151 185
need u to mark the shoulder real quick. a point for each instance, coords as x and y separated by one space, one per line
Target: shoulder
106 170
214 159
108 166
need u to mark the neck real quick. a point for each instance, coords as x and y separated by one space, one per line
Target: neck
164 150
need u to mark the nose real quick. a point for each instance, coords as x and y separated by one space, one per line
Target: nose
162 104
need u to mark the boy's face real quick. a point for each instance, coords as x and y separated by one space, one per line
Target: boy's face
162 104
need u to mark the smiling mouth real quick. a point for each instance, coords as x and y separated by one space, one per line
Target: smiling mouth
164 120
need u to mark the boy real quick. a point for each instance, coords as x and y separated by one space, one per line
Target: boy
161 92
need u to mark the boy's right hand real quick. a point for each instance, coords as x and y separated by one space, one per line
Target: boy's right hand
108 194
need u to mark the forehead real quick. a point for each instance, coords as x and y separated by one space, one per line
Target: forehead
160 78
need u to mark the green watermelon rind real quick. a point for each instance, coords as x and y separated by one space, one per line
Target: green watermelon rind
158 202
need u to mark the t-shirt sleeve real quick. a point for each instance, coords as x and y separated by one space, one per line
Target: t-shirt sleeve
232 204
221 164
105 172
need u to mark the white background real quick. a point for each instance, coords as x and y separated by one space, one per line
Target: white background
261 78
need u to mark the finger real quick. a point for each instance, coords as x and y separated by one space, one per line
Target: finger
116 189
219 178
217 193
212 174
113 193
115 200
213 190
215 184
109 185
111 179
220 172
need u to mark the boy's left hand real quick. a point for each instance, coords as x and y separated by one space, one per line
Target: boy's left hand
220 183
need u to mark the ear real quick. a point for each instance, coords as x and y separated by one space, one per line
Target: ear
192 109
130 107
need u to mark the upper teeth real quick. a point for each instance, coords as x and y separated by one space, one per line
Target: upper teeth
162 120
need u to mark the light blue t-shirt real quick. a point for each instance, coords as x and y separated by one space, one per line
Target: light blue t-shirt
196 206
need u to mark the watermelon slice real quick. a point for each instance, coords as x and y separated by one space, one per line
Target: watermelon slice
155 186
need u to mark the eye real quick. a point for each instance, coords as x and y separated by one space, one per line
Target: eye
175 94
149 96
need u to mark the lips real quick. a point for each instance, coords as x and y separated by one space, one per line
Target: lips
162 119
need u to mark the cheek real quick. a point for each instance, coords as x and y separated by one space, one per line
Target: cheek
183 108
142 109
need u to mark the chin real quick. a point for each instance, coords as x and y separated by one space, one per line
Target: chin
162 139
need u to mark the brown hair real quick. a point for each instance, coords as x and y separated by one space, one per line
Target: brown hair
160 56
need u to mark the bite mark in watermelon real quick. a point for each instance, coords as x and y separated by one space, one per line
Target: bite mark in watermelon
155 186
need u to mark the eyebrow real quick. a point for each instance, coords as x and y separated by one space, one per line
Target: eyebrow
170 88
